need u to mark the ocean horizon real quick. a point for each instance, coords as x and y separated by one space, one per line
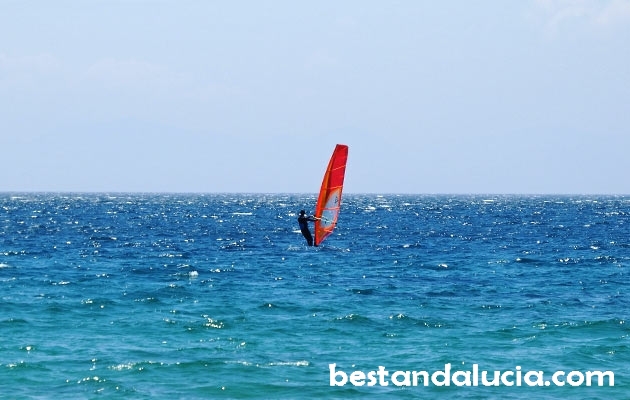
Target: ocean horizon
217 295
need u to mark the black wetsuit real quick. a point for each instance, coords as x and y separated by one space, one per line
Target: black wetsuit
303 221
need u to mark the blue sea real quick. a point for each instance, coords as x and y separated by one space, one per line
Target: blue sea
204 296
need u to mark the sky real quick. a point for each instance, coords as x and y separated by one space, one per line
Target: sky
432 97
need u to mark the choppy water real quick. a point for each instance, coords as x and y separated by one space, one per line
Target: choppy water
217 296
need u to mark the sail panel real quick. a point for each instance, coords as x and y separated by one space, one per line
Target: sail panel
329 199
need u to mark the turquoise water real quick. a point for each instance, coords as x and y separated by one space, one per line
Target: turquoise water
217 296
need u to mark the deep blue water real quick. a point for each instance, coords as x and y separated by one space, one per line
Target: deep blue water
217 296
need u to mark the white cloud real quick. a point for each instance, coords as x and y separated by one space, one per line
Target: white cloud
34 63
31 87
556 15
27 73
616 12
127 73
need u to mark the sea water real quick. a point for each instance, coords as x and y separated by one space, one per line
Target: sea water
218 296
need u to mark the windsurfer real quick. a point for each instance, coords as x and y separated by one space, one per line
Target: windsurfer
303 220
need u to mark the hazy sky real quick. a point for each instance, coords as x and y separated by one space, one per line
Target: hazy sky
252 96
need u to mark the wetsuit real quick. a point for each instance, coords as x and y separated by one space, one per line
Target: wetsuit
303 221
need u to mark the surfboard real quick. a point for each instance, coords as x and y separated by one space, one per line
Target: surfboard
329 199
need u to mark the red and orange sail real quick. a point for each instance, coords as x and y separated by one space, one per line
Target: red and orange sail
329 200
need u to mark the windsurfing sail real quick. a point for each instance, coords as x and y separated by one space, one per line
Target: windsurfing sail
329 200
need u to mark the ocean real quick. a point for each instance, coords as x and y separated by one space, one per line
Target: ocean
204 296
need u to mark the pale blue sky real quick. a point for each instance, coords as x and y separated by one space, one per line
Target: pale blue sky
252 96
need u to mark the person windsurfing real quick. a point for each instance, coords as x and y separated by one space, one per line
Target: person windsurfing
303 220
